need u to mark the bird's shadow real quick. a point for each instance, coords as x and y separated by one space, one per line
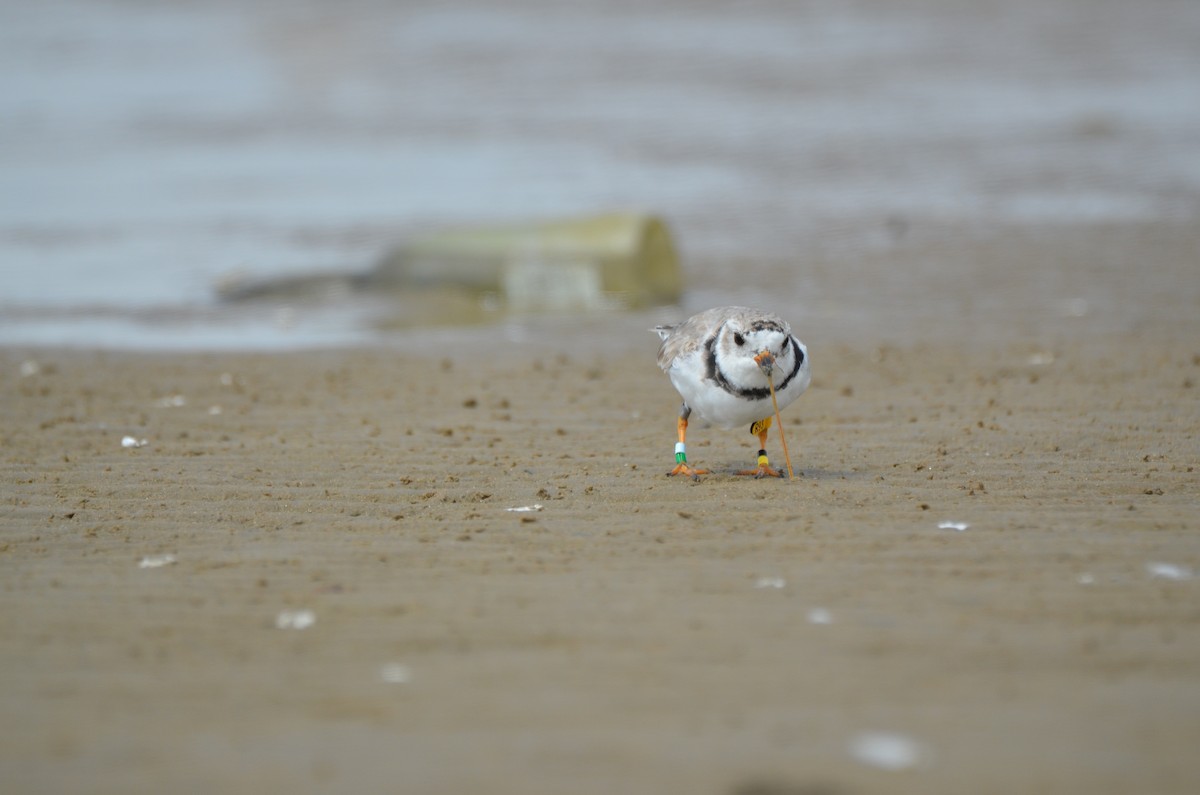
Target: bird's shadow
730 471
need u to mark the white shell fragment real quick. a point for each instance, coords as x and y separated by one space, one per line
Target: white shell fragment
1086 579
526 508
295 619
156 561
886 750
1169 571
395 674
958 527
770 582
129 442
30 368
171 402
819 615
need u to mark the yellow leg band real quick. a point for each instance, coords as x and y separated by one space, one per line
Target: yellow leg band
763 462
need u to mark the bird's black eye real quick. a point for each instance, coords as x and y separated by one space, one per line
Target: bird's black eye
738 339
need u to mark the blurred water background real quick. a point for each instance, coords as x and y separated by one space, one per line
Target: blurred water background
149 149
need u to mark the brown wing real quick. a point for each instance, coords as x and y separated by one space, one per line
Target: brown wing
690 335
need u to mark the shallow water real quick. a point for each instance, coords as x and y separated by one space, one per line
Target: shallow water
145 151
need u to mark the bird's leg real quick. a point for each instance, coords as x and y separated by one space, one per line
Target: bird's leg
764 469
681 464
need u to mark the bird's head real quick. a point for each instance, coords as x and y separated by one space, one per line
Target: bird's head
755 349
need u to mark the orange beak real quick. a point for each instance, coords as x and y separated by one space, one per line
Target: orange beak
765 361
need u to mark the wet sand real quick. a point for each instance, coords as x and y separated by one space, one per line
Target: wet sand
638 633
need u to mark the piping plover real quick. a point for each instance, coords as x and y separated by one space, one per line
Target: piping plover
724 362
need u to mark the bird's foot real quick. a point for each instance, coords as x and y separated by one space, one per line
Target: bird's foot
684 469
762 471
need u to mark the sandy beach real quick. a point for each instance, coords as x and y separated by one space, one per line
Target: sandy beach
305 576
295 547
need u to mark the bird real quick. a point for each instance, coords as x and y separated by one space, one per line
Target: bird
724 362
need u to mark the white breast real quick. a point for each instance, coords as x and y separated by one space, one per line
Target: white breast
723 408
